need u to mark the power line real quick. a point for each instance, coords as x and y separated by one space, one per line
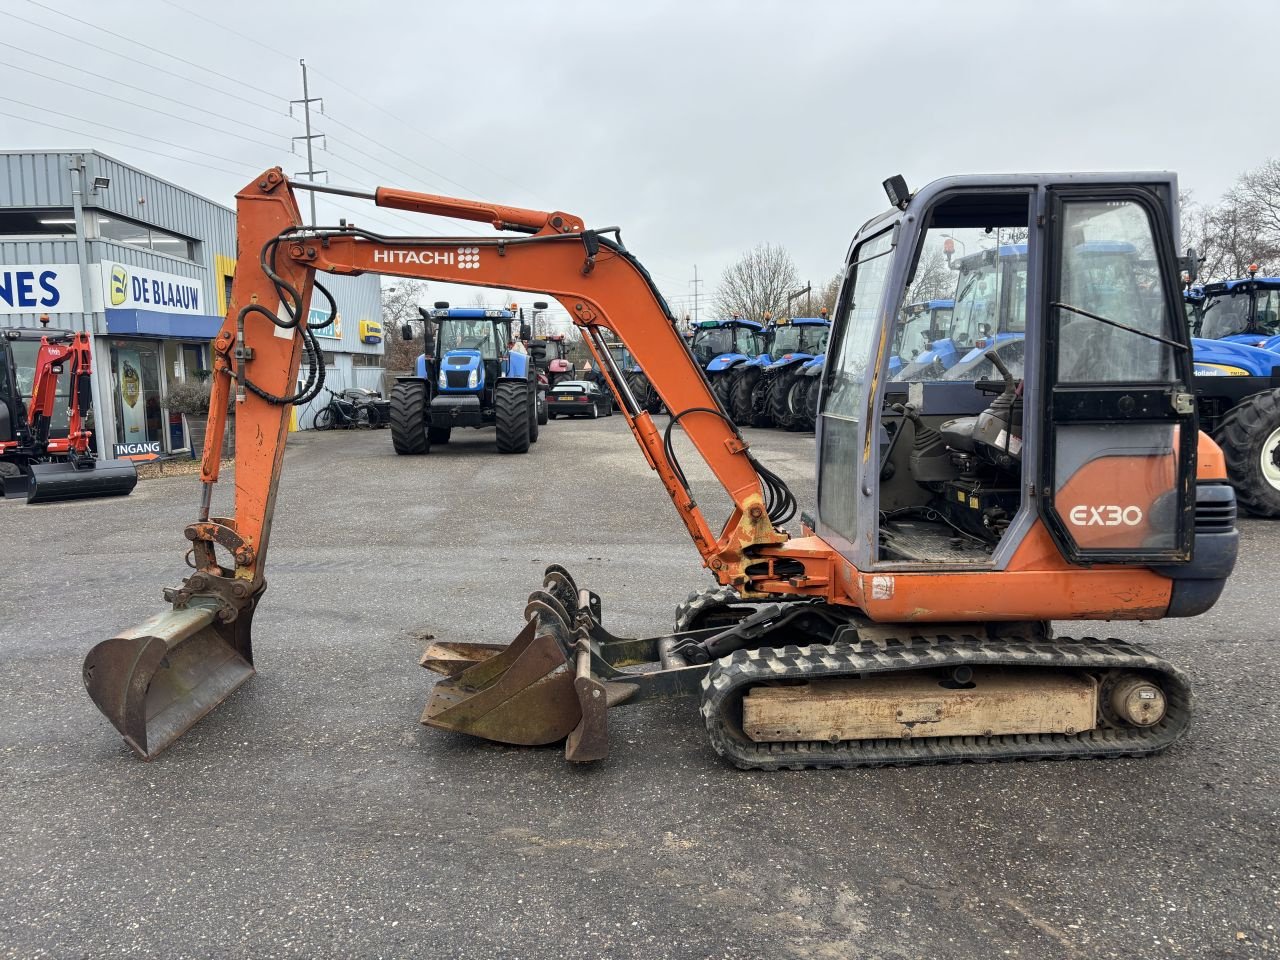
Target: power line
365 100
152 93
81 133
147 46
123 56
226 133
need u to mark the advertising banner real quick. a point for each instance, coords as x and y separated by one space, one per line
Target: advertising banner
135 288
133 409
41 288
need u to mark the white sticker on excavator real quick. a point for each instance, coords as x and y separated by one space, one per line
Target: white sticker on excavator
882 588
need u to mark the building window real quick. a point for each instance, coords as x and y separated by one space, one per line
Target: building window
143 237
366 360
49 222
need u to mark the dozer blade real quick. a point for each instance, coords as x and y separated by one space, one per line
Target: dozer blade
52 482
519 694
155 681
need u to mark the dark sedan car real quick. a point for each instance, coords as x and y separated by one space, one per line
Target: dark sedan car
578 398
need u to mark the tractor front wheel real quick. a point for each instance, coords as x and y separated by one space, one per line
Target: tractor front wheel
511 410
410 424
1250 440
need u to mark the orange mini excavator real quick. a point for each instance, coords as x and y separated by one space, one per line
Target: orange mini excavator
34 463
907 619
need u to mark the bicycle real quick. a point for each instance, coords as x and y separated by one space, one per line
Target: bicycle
341 413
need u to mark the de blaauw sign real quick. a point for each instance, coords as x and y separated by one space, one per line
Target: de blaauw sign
134 288
40 288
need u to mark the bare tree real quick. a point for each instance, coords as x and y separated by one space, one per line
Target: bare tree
400 302
824 296
757 284
934 278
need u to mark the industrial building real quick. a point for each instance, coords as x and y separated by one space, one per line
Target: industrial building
145 267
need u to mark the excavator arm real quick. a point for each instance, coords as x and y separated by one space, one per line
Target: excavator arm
259 348
156 680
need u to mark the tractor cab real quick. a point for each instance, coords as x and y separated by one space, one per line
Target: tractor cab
986 297
922 324
720 344
1088 448
800 338
466 377
1242 311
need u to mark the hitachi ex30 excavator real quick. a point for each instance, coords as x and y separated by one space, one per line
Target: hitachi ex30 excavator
908 618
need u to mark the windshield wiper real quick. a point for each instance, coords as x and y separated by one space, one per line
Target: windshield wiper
1118 325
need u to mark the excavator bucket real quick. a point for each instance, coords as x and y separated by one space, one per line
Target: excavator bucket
556 681
51 482
154 681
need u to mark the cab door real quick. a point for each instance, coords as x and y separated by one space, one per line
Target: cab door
1118 462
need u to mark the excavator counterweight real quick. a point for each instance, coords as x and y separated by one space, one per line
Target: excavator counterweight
1060 476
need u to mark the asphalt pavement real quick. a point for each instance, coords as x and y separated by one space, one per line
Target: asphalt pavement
313 816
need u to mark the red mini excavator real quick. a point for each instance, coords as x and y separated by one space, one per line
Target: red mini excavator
908 618
34 464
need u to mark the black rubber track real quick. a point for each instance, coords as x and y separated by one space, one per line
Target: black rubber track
700 608
730 677
409 417
511 416
1241 435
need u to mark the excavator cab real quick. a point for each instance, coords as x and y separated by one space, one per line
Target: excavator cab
1092 441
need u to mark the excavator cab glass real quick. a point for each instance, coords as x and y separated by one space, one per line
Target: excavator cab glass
1069 377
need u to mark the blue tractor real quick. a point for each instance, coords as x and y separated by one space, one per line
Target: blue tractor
805 392
719 346
754 388
1237 383
990 284
467 376
922 323
773 391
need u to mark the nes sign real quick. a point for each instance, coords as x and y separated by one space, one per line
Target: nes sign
134 288
41 288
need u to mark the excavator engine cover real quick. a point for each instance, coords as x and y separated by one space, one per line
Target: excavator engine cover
50 482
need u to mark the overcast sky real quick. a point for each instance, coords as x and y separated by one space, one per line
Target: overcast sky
702 128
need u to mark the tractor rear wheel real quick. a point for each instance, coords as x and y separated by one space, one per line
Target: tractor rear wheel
811 401
410 425
1250 439
779 399
439 434
511 416
533 416
722 387
542 407
744 387
798 403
